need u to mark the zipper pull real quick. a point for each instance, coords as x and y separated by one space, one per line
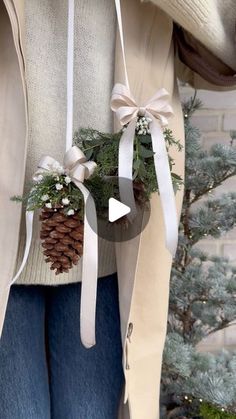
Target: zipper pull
130 330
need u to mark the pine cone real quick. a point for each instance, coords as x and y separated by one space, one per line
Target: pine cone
62 238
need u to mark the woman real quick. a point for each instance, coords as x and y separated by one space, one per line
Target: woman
59 378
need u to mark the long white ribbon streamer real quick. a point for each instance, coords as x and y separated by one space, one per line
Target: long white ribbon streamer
89 273
165 186
125 170
70 73
119 20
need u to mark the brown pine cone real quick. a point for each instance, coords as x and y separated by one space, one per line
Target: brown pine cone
62 238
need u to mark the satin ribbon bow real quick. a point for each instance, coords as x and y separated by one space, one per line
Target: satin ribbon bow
158 110
75 165
78 168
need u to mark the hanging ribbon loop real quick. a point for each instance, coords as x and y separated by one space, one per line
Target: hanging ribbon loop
158 110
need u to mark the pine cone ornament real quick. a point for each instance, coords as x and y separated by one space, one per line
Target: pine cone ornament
62 238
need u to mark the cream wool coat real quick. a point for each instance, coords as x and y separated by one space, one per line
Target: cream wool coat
143 263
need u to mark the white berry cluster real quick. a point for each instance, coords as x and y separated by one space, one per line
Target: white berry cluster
70 212
142 125
58 186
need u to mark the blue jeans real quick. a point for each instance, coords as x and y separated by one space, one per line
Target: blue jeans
45 372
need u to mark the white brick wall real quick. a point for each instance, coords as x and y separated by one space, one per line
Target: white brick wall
215 120
229 121
207 122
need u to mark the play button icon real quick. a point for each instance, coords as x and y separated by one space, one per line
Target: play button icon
116 210
117 222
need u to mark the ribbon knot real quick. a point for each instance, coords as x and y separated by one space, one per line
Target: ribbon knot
158 110
142 111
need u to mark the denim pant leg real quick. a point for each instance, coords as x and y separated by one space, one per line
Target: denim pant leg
84 383
24 388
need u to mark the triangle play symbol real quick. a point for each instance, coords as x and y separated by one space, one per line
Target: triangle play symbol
116 210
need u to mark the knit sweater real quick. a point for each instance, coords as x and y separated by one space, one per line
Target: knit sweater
95 24
211 22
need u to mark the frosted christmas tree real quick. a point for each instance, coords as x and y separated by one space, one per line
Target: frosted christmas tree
202 290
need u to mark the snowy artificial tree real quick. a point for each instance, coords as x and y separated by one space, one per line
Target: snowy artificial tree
202 288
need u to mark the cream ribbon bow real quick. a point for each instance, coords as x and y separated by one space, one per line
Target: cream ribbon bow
158 110
78 168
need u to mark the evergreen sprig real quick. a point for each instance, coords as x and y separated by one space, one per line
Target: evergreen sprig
103 149
50 189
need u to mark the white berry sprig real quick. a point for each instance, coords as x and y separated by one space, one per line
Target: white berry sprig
142 125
